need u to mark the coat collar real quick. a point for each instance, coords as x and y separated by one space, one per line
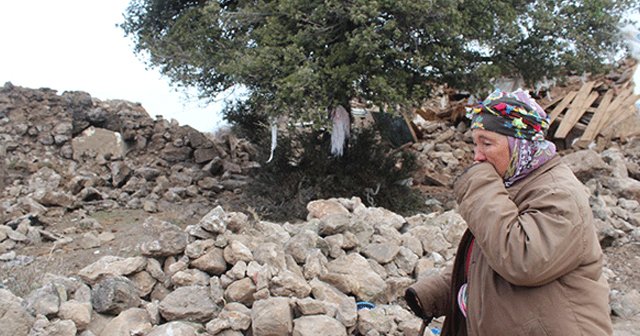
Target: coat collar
516 187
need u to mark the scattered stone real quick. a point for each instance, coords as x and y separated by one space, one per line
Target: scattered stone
190 303
114 294
272 316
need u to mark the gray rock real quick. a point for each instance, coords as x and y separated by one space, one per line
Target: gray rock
45 179
301 244
51 198
148 173
310 306
432 238
98 142
241 291
586 164
334 224
626 305
272 317
355 268
89 240
166 239
382 253
14 320
236 221
234 316
238 271
614 157
380 217
177 328
143 281
120 173
271 255
111 265
190 277
171 153
347 309
76 311
114 294
237 251
212 262
45 300
623 187
202 155
315 265
289 284
191 303
133 321
321 208
197 248
374 319
56 328
313 325
214 221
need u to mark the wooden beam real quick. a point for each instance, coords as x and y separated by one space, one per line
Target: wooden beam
552 102
599 115
609 131
563 104
615 105
583 100
410 126
626 109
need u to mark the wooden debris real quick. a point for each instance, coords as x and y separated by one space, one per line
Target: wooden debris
584 98
594 108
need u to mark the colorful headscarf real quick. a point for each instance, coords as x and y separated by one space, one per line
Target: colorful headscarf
524 122
513 114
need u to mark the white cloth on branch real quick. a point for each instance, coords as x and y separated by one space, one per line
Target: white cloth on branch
274 139
341 130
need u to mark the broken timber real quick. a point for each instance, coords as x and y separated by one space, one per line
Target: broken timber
593 108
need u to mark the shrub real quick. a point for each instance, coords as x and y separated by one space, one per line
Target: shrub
302 170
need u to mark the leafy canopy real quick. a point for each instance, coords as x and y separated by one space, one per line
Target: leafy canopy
300 57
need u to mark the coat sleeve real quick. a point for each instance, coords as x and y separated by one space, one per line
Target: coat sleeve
528 247
433 293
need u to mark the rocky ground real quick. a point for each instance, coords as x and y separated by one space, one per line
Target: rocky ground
113 223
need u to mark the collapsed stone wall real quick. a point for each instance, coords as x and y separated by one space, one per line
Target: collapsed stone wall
62 152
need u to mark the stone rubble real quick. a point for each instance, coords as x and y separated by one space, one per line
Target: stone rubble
230 274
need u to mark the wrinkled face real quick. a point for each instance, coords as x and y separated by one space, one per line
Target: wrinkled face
493 148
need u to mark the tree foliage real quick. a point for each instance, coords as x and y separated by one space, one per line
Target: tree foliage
300 57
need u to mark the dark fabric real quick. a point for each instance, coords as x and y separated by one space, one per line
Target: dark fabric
411 297
455 323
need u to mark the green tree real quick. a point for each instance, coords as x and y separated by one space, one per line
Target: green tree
300 57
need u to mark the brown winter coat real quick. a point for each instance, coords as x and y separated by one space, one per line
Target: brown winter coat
536 264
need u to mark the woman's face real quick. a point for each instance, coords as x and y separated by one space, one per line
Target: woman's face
493 148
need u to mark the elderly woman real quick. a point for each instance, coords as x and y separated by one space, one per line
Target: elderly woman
530 262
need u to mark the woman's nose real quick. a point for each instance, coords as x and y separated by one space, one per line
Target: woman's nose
478 156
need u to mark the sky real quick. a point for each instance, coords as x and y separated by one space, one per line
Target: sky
74 45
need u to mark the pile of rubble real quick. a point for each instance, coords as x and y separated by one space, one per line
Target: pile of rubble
228 275
342 271
70 151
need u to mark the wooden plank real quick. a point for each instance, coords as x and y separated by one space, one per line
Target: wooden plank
565 102
552 102
410 126
593 127
626 109
609 131
583 100
615 105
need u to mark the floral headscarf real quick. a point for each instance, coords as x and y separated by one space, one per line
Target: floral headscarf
524 122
